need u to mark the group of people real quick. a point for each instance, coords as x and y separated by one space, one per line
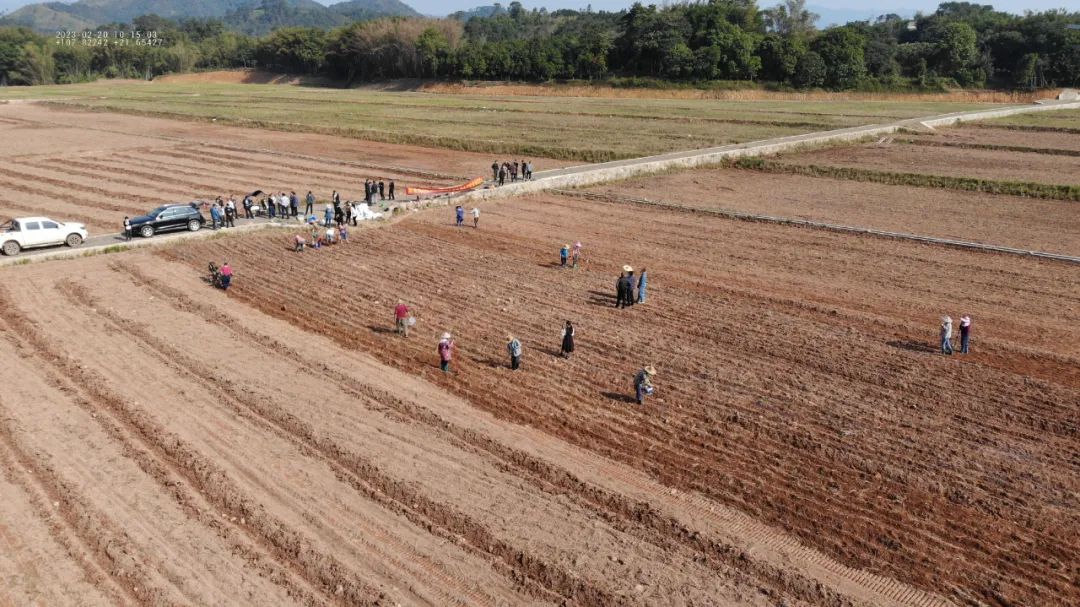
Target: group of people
946 333
375 191
511 170
328 235
459 216
630 290
565 255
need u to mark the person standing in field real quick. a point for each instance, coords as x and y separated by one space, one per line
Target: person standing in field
568 339
528 170
309 204
502 175
513 346
643 385
965 333
495 170
294 205
564 254
328 215
460 215
642 282
247 207
628 297
946 335
620 290
446 352
382 190
390 190
401 318
215 215
127 228
475 217
577 254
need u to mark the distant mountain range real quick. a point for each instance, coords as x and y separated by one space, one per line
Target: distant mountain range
248 16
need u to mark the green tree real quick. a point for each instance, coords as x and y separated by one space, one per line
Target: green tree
956 48
434 50
810 72
841 49
295 50
790 18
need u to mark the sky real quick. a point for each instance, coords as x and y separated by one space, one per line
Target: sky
830 9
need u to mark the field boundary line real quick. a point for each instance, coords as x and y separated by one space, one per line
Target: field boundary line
743 216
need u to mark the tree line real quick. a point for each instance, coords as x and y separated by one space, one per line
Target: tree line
960 44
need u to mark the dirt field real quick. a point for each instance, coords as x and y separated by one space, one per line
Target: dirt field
799 380
165 443
96 168
1042 225
984 134
987 164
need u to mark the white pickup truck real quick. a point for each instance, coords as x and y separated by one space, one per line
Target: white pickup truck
28 232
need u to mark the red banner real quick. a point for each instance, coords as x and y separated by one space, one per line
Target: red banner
475 183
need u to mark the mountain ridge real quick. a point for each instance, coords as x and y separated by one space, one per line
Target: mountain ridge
247 16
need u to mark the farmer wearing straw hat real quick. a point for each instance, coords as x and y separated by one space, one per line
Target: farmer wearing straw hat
631 283
946 335
564 254
577 254
446 352
401 318
625 288
643 383
513 346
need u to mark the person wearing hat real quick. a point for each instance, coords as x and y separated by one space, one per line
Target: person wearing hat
620 290
513 346
631 282
446 352
965 333
564 254
946 335
625 288
577 255
643 383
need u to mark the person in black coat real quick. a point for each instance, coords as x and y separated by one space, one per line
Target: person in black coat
620 290
568 339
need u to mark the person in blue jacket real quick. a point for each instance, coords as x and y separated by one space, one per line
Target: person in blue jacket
642 282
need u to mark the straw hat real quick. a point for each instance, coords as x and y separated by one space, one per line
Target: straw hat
566 246
445 336
627 269
651 370
946 318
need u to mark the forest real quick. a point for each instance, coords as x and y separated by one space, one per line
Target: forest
730 43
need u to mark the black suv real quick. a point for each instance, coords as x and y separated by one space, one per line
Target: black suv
167 218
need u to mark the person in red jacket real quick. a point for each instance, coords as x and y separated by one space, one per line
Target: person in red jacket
401 318
446 352
226 276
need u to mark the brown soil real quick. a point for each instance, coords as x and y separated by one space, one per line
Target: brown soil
953 162
239 77
798 377
984 135
1043 225
96 168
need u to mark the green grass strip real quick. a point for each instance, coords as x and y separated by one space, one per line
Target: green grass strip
990 146
970 184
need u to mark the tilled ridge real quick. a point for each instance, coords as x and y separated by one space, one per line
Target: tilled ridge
541 578
287 546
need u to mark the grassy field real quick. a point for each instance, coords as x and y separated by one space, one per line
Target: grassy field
1061 119
588 129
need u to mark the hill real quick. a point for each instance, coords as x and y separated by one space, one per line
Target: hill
248 16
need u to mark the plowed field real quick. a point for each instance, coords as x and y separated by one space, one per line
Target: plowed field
798 380
112 166
1013 221
996 165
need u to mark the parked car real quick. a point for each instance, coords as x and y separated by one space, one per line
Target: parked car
29 232
168 218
